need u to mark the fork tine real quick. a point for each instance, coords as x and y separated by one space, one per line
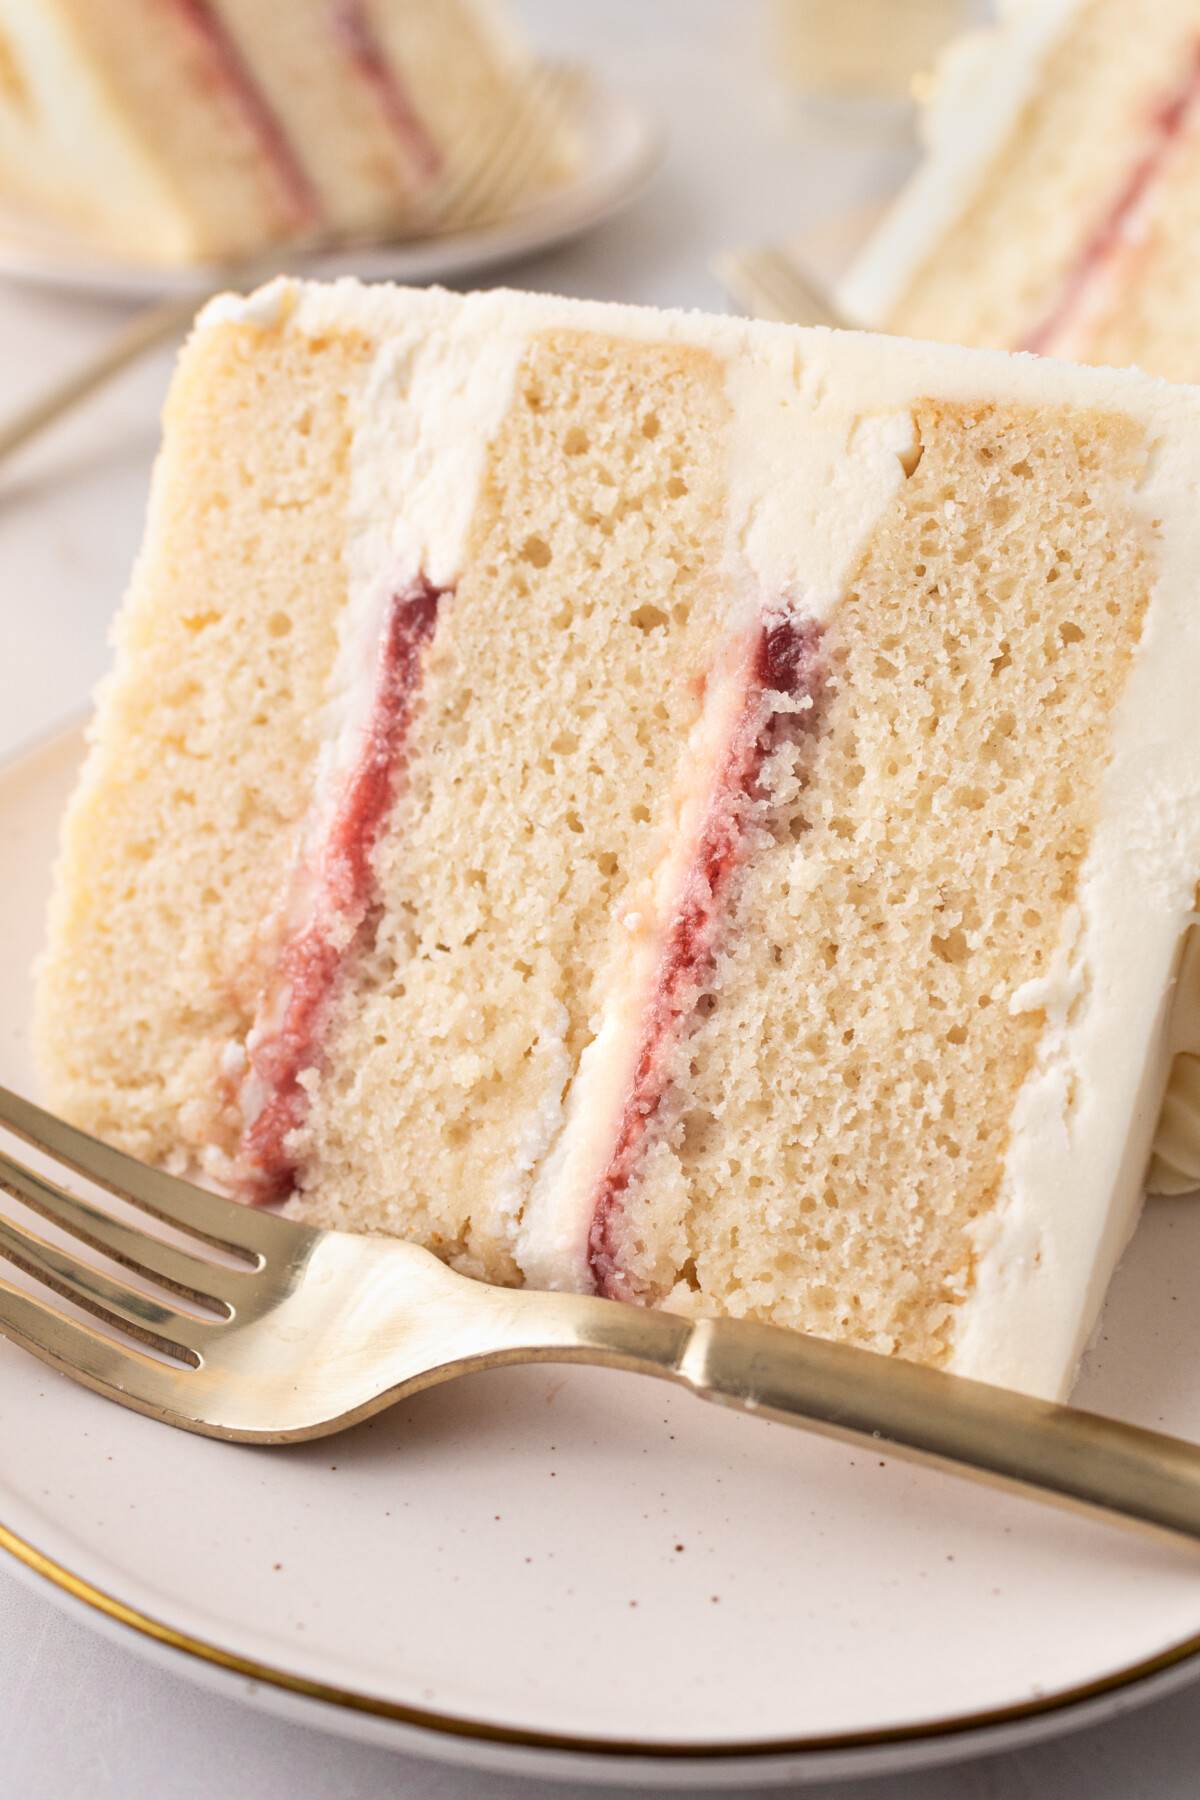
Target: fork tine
118 1371
562 88
160 1262
443 210
138 1314
468 157
770 284
487 182
781 282
223 1223
497 178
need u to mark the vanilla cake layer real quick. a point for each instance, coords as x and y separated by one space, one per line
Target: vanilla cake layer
183 832
699 812
184 130
1056 206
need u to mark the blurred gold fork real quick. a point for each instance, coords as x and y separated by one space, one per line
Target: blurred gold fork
770 284
491 175
310 1331
488 182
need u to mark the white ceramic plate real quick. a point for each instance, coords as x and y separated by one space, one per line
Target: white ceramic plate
586 1573
623 146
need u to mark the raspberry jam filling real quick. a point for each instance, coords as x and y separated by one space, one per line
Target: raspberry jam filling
358 41
1121 232
220 64
285 1042
785 667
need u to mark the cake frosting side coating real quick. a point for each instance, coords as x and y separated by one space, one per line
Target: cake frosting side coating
790 814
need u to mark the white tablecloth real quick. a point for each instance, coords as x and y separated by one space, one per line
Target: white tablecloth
81 1715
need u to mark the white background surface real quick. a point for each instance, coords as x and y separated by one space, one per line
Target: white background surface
80 1715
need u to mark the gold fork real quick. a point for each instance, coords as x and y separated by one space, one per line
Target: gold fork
770 284
490 177
488 183
309 1331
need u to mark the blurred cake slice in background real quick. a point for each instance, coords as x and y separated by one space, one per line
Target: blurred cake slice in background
1058 206
179 131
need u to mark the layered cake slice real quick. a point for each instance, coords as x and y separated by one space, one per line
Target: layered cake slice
1058 206
178 131
697 812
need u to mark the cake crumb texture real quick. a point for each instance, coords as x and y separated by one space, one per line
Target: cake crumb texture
558 698
177 846
160 77
842 1101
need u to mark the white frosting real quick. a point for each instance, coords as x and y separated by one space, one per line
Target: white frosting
982 84
266 307
1073 1176
821 430
810 471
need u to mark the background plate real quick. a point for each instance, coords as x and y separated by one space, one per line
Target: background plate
584 1571
623 146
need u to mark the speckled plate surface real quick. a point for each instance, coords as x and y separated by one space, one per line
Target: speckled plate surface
623 146
577 1572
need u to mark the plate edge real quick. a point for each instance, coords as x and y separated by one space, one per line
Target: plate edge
604 1750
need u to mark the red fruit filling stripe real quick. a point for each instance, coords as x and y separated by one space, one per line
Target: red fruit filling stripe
286 1040
786 663
1117 234
359 43
221 65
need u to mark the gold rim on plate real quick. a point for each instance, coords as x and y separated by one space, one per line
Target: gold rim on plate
448 1725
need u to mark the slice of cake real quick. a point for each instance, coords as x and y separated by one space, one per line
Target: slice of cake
699 812
177 131
1058 206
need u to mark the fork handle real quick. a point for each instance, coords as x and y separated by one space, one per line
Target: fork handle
1011 1440
922 1413
1078 1458
152 326
145 331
